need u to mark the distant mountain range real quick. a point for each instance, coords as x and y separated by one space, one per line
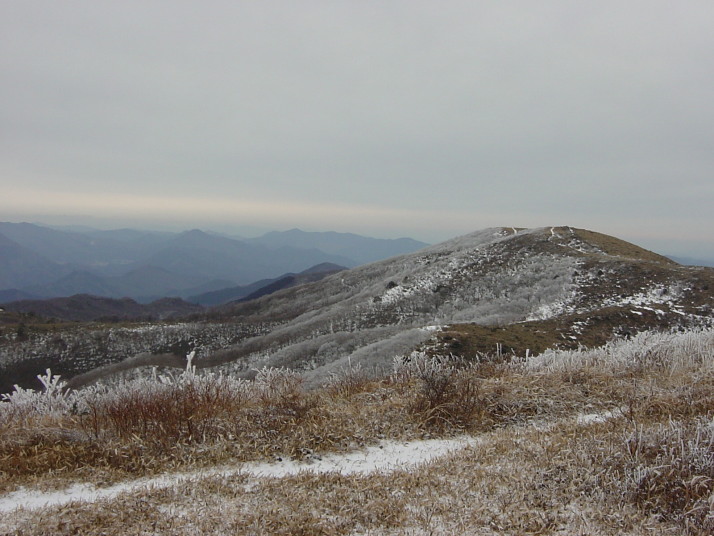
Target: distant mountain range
266 286
502 290
85 307
42 262
21 266
690 261
361 249
89 307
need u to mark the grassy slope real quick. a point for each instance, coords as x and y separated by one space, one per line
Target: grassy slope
623 270
645 465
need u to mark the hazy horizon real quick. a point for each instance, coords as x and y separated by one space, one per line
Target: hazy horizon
417 119
72 223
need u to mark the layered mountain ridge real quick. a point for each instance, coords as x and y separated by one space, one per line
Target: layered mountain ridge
578 286
500 290
40 262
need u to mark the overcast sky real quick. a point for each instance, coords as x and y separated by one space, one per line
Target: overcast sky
390 118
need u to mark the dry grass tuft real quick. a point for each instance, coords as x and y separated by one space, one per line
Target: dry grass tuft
446 396
670 473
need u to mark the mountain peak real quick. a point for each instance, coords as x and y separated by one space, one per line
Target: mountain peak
192 234
567 285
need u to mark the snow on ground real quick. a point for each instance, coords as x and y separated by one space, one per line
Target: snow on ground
588 418
385 457
656 294
550 310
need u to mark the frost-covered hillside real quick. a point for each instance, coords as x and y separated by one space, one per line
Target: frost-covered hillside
555 286
494 277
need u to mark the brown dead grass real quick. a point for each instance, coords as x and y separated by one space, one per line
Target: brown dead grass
620 248
647 469
570 478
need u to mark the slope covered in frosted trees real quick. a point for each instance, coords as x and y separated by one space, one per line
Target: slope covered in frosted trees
532 288
593 286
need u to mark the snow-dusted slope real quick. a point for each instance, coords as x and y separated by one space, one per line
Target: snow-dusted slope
589 282
385 457
496 276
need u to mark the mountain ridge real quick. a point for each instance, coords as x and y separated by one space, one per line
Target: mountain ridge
497 276
89 308
265 286
21 266
362 249
495 290
46 262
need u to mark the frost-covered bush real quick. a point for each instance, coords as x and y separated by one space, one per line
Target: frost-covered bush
420 365
185 407
22 404
447 396
162 408
646 350
281 390
347 381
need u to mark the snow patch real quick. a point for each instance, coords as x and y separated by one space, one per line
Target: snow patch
553 309
657 294
590 418
386 457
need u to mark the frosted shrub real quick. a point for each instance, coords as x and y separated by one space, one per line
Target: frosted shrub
646 350
348 381
421 365
166 408
271 382
24 403
447 395
280 389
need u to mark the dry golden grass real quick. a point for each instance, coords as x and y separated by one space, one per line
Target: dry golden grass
570 478
641 463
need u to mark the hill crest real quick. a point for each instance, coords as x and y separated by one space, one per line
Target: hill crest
591 285
522 289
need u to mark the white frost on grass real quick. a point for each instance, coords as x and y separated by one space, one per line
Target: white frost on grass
385 457
552 309
656 294
589 418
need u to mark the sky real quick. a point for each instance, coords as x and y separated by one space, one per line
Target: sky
390 118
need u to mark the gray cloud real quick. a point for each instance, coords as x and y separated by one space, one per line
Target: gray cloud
455 115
